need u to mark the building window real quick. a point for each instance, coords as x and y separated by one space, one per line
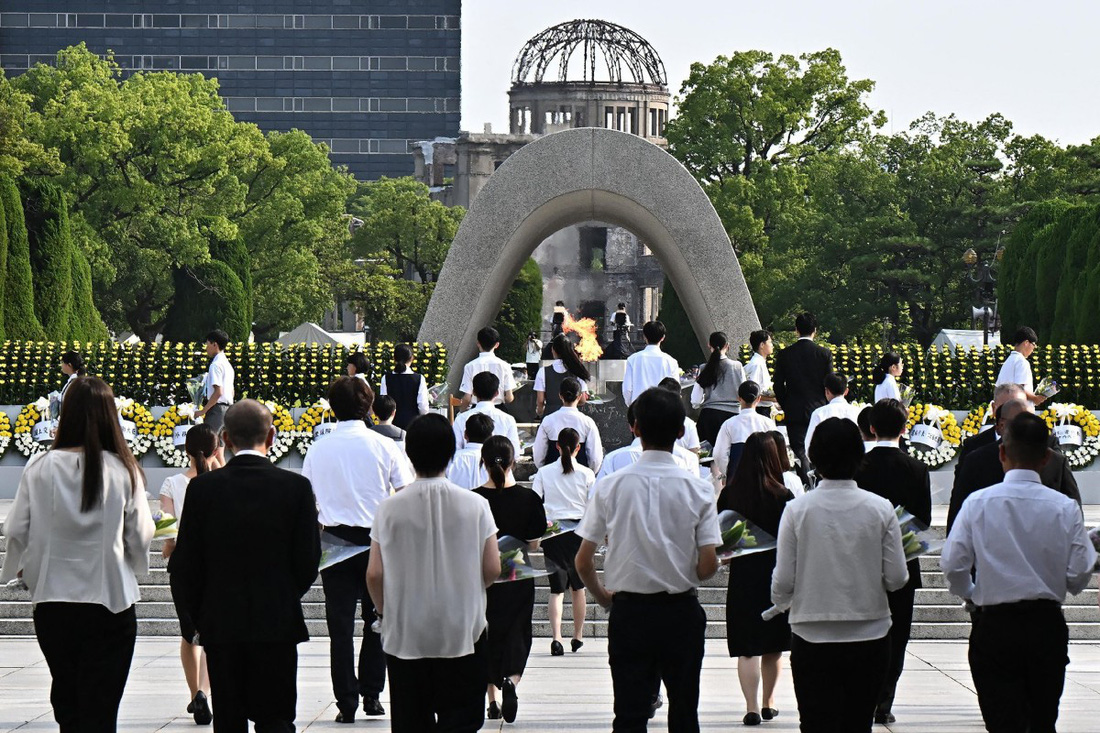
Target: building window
593 248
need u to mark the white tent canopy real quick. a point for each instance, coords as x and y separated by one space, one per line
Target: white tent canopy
965 338
307 333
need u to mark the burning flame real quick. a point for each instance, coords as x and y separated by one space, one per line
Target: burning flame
589 348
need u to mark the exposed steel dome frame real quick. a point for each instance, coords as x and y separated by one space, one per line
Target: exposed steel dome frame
623 52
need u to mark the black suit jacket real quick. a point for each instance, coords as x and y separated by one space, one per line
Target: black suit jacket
247 552
982 469
903 481
799 377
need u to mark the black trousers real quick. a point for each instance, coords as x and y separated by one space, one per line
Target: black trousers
796 439
1018 658
710 423
438 695
88 650
838 684
533 369
252 681
651 637
901 617
345 587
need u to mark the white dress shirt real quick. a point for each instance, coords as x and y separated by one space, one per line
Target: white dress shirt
466 469
175 488
559 367
421 392
488 361
888 389
569 417
564 495
220 374
645 369
628 455
737 430
432 530
1016 370
352 470
71 556
756 370
690 440
793 483
839 552
503 424
655 516
1023 542
837 407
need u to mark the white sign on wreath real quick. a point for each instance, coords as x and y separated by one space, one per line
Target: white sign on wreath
1069 435
179 434
927 435
44 431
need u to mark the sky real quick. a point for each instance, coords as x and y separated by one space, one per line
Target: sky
1036 62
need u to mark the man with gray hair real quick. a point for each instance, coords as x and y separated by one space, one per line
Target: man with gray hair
1002 393
247 602
982 467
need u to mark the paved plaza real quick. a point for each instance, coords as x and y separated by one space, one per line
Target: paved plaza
573 692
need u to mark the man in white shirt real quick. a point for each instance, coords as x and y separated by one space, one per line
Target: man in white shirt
486 389
662 530
466 469
836 392
352 470
738 428
690 438
628 455
756 370
488 339
649 366
218 389
1016 369
1016 549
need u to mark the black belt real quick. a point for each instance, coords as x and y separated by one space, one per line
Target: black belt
662 596
1028 606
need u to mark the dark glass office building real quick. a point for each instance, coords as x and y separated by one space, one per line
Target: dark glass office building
367 77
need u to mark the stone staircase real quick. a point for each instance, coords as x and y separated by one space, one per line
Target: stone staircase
938 614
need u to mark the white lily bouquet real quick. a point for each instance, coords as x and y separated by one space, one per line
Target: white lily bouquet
908 392
196 389
167 528
741 537
916 539
55 404
335 550
515 561
439 397
1047 387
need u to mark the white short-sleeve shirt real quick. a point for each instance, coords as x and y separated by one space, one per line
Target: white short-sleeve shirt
888 389
569 417
175 488
756 370
1017 370
220 374
488 361
655 516
430 530
646 369
466 469
564 495
559 367
503 424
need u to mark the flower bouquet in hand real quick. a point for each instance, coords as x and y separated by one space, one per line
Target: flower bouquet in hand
557 527
335 550
196 390
916 540
166 526
515 562
908 392
741 537
1047 387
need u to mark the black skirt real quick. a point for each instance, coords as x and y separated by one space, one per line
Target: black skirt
710 423
748 596
508 610
560 554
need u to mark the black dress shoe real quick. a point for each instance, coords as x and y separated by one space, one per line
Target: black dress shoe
657 702
201 709
509 704
371 706
751 719
768 713
576 644
346 719
556 649
494 711
884 718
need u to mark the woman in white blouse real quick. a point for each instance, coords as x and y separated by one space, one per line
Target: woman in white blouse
838 554
78 534
72 366
886 376
564 486
200 447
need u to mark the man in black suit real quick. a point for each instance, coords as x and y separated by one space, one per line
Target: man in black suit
246 597
800 370
982 467
894 475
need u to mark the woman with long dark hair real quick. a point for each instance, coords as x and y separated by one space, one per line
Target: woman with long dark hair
78 533
756 492
407 388
886 375
564 486
548 381
715 389
201 447
518 513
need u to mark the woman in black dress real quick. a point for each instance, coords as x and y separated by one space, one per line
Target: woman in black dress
518 513
756 492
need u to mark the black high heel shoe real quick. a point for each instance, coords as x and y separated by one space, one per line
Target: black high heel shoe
556 649
494 711
769 713
576 644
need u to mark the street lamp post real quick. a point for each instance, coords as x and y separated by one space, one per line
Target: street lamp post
984 277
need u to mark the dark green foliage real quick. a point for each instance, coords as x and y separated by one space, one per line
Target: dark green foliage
1072 282
20 322
207 296
681 340
3 264
1088 296
50 244
520 313
86 323
235 254
1016 281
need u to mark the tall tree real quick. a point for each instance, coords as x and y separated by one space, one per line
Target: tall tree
50 245
20 322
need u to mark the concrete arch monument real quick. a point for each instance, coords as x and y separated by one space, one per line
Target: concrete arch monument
578 175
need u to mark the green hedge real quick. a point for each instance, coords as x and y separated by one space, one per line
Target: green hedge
156 374
20 322
965 378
